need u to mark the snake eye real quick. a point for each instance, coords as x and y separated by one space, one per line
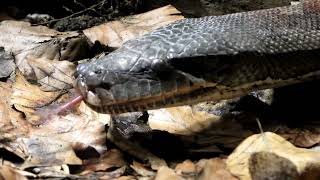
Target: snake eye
98 71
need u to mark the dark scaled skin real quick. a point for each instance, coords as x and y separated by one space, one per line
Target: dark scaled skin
209 58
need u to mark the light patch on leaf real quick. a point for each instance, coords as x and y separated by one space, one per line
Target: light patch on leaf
180 120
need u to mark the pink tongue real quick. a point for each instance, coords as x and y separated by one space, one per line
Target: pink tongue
69 105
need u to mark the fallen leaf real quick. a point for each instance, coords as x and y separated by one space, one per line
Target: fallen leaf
9 173
165 173
125 178
42 54
54 140
91 114
52 172
214 169
12 124
110 159
181 120
48 151
53 75
301 137
271 153
27 98
21 35
186 168
115 33
114 174
141 170
199 126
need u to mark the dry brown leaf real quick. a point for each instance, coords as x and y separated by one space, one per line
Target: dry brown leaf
21 35
54 140
114 33
12 124
114 174
37 49
9 173
181 120
201 126
186 168
53 75
165 173
269 155
141 170
91 114
125 178
110 159
48 151
301 137
214 169
27 97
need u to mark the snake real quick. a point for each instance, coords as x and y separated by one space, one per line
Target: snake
209 58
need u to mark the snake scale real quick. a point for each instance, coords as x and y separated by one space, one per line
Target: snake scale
209 58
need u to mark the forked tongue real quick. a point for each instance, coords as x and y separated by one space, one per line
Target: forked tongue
73 102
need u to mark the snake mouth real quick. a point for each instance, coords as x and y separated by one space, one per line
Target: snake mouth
87 92
180 96
168 99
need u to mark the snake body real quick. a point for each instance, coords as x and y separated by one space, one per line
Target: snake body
208 58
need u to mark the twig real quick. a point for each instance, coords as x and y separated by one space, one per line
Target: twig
74 14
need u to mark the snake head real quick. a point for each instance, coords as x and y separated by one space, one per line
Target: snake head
88 79
116 84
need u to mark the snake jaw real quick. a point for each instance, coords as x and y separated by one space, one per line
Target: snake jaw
82 87
87 94
91 93
93 99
